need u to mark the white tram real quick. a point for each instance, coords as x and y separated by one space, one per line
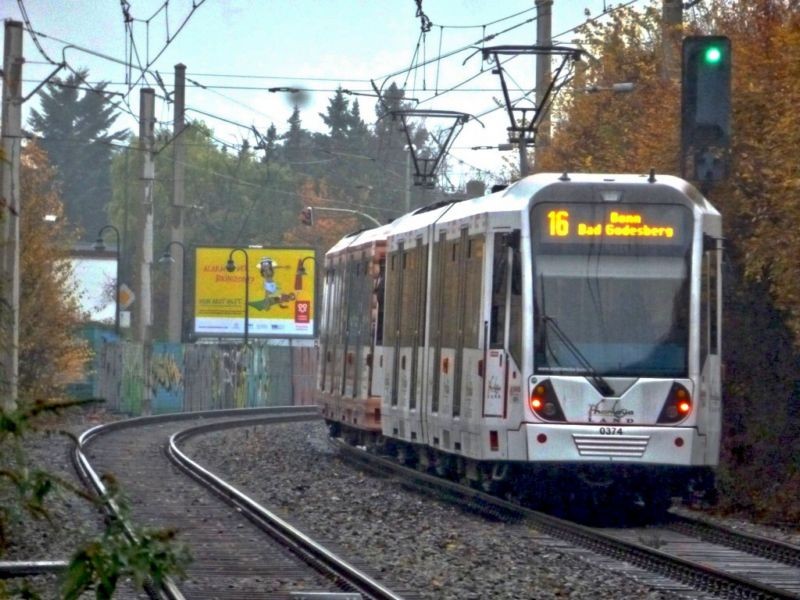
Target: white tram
562 334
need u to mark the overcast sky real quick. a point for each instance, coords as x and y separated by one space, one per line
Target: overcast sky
239 48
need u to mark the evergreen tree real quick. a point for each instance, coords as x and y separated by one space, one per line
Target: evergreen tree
296 138
359 132
338 118
270 144
74 124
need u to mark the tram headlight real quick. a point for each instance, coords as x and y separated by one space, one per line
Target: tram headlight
544 402
678 405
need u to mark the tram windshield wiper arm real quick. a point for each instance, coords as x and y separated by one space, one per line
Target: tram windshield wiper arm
601 384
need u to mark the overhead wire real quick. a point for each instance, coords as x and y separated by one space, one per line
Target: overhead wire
27 21
419 64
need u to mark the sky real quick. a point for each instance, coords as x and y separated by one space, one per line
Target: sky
234 50
91 277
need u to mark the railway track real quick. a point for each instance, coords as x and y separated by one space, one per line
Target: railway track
681 555
240 550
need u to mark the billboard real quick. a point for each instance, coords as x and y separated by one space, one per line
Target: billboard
272 289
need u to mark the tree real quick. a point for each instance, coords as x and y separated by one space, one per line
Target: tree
760 205
270 144
232 198
50 349
297 138
337 117
74 123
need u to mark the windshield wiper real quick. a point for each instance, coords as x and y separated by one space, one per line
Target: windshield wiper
601 384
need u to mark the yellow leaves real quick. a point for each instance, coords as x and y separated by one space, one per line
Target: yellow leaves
51 352
636 131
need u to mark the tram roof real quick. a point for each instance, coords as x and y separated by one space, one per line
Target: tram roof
515 197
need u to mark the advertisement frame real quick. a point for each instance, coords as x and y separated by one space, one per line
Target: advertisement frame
278 300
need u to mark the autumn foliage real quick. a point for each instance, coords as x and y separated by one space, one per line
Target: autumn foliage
51 353
759 202
328 228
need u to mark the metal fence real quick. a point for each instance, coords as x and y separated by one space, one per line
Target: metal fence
138 379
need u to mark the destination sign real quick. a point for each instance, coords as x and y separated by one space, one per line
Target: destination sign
587 223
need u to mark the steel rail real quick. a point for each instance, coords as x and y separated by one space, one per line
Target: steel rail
295 539
10 569
651 559
751 543
169 589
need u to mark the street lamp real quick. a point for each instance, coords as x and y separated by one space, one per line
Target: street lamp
230 266
301 271
99 246
166 257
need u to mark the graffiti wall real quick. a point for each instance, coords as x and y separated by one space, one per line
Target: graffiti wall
164 378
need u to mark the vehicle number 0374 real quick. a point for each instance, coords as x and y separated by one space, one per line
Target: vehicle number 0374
611 431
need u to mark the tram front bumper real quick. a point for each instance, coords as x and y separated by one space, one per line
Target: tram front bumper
614 443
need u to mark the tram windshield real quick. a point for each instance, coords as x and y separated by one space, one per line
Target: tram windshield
607 305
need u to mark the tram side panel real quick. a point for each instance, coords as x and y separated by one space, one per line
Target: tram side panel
402 351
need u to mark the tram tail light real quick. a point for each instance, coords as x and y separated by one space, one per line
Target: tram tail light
544 402
678 405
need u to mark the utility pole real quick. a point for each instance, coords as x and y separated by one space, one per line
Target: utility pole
144 254
407 195
671 34
544 38
176 274
11 132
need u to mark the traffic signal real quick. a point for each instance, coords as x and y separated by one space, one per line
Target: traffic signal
706 93
307 216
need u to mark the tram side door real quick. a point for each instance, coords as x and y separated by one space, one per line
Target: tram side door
496 368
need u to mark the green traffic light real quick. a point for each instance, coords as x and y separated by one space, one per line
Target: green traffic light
712 55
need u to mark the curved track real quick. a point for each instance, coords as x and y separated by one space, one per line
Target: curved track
679 555
225 530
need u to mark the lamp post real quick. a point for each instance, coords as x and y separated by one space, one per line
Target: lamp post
166 257
301 271
230 266
100 246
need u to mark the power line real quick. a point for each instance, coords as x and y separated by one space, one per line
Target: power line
450 53
484 25
29 28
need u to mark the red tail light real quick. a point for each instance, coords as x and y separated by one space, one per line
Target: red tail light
544 402
678 405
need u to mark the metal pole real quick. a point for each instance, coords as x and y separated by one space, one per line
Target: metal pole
176 269
671 32
544 37
116 290
11 133
246 297
167 256
408 183
231 267
348 211
143 313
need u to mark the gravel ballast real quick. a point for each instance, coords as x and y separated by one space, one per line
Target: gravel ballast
71 520
401 537
422 544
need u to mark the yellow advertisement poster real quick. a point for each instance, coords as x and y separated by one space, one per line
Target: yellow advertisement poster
268 290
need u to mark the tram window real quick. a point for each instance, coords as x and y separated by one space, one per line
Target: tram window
709 304
390 301
449 308
438 288
409 304
422 283
515 314
380 288
474 284
366 309
499 288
